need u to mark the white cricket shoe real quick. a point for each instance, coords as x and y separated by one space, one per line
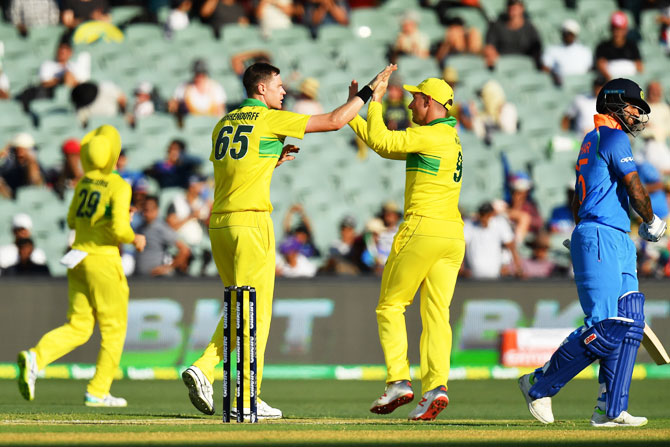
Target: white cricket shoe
432 403
199 389
539 408
600 419
396 394
27 362
263 410
107 401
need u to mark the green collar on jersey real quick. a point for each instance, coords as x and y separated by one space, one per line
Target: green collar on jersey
448 120
253 102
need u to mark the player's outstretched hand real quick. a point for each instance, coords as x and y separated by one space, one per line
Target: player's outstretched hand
382 84
286 154
383 76
652 231
353 89
140 242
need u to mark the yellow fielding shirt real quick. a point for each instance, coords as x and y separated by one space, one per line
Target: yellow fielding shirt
246 145
434 162
100 213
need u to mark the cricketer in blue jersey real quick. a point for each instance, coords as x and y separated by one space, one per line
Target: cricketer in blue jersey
604 262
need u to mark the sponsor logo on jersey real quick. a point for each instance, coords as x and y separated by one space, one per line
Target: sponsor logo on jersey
626 159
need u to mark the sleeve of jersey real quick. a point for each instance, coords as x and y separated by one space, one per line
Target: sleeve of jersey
360 126
388 143
287 124
616 150
121 213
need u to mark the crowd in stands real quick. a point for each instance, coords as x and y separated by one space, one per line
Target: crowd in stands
510 232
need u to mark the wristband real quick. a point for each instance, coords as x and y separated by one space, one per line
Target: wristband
365 93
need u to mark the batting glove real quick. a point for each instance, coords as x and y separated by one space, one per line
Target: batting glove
653 231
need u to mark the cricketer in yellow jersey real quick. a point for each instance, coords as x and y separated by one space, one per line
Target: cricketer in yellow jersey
100 215
247 145
428 248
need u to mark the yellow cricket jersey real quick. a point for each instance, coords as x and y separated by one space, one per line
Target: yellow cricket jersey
246 145
100 208
433 166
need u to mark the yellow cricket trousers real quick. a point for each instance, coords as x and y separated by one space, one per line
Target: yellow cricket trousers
426 253
98 290
243 247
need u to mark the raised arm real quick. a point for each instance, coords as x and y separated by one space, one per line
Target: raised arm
346 112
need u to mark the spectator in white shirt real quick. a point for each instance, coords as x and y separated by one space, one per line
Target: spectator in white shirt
22 227
485 239
200 96
65 69
188 213
579 116
292 263
569 58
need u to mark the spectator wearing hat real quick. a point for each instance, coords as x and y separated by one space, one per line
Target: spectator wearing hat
410 41
20 166
521 210
22 227
391 215
371 254
66 176
156 259
176 168
188 214
496 115
307 102
34 13
618 56
579 115
512 33
97 99
292 263
570 57
25 266
199 96
486 237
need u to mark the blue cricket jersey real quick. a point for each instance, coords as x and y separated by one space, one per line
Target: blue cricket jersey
604 159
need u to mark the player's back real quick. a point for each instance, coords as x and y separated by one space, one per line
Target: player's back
99 211
434 175
604 159
246 145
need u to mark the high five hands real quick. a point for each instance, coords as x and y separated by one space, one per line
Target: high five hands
379 83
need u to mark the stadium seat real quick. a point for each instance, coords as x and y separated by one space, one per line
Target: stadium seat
139 34
35 198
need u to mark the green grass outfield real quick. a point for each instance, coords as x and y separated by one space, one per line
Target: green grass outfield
319 412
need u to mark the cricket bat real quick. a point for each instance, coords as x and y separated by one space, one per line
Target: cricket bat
654 347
